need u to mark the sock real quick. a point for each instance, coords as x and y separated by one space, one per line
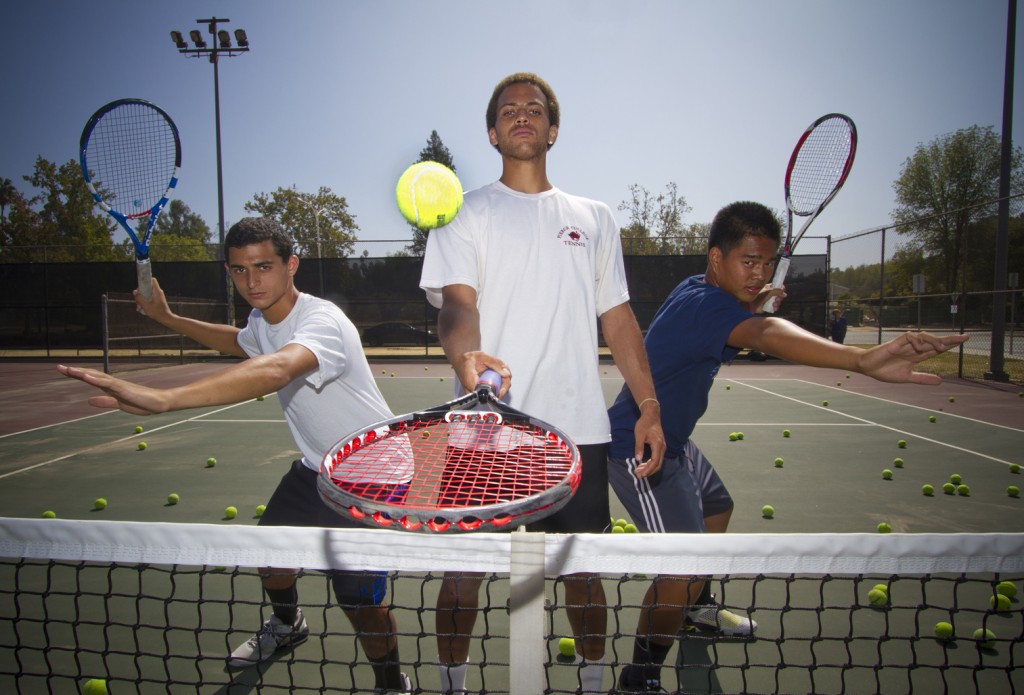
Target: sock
387 672
647 660
453 677
285 603
591 676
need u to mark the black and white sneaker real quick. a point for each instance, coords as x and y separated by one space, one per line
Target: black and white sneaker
274 635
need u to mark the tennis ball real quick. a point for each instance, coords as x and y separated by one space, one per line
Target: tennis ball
728 387
825 403
260 508
1015 468
260 398
49 514
943 630
142 446
956 478
949 488
211 462
779 462
429 195
567 646
621 522
952 399
1007 589
739 435
877 597
902 444
138 429
884 527
230 513
786 433
984 637
733 436
963 490
618 529
630 528
897 462
881 587
931 418
886 474
1013 491
927 490
99 504
847 376
94 686
1000 602
768 511
173 498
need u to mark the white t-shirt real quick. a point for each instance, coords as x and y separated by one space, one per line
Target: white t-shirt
337 398
545 267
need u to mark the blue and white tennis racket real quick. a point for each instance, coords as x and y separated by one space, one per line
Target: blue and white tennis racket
130 155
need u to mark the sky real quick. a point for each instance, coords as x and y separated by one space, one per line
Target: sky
708 94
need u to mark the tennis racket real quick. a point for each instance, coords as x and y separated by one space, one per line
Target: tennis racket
130 155
469 464
818 168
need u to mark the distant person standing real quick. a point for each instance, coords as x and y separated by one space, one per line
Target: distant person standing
837 327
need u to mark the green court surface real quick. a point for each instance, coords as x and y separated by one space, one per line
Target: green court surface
831 482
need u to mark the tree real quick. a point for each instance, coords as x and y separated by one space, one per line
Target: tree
435 151
7 193
940 192
319 222
182 235
655 222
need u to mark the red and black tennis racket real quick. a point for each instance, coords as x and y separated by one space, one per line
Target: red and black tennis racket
818 168
472 463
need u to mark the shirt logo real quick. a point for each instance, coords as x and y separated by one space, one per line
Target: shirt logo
571 235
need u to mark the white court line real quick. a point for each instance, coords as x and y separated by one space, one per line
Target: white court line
876 424
116 441
66 422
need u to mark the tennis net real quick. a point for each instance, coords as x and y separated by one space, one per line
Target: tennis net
153 607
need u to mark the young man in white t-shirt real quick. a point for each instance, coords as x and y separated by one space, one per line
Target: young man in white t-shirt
521 276
307 351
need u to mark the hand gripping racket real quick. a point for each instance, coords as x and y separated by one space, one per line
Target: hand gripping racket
130 155
465 465
817 169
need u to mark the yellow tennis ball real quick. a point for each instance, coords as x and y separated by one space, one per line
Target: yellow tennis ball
877 597
95 686
985 637
49 514
260 508
943 630
1000 602
230 513
1007 589
99 504
429 195
142 446
567 646
173 498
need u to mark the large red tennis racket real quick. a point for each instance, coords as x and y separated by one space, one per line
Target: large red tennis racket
818 168
469 464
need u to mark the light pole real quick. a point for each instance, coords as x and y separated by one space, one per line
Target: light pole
319 251
220 44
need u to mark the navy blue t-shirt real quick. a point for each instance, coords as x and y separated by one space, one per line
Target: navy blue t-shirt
686 345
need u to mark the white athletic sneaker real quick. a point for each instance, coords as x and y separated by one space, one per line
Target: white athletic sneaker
272 636
714 617
406 688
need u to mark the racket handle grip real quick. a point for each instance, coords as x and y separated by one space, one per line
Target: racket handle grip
145 273
778 279
489 379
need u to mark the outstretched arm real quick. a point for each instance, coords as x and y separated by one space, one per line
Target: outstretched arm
249 379
893 361
216 336
458 327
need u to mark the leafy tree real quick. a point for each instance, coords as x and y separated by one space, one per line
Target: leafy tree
940 192
319 222
435 151
7 194
656 222
182 235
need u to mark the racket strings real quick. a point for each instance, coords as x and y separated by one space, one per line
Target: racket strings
132 155
821 165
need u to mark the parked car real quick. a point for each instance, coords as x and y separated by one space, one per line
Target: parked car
396 333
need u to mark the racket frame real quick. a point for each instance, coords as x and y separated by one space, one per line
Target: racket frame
144 269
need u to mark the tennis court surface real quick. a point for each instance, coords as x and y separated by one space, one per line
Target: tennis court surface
152 596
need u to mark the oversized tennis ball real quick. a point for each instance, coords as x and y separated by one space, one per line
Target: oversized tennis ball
1007 589
886 474
95 686
786 433
956 478
943 630
138 429
902 444
429 195
733 436
260 508
884 527
984 637
230 513
963 490
1000 602
927 490
897 462
768 511
567 646
49 514
931 418
949 488
1013 491
99 504
173 498
142 446
211 462
1015 468
877 597
779 462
